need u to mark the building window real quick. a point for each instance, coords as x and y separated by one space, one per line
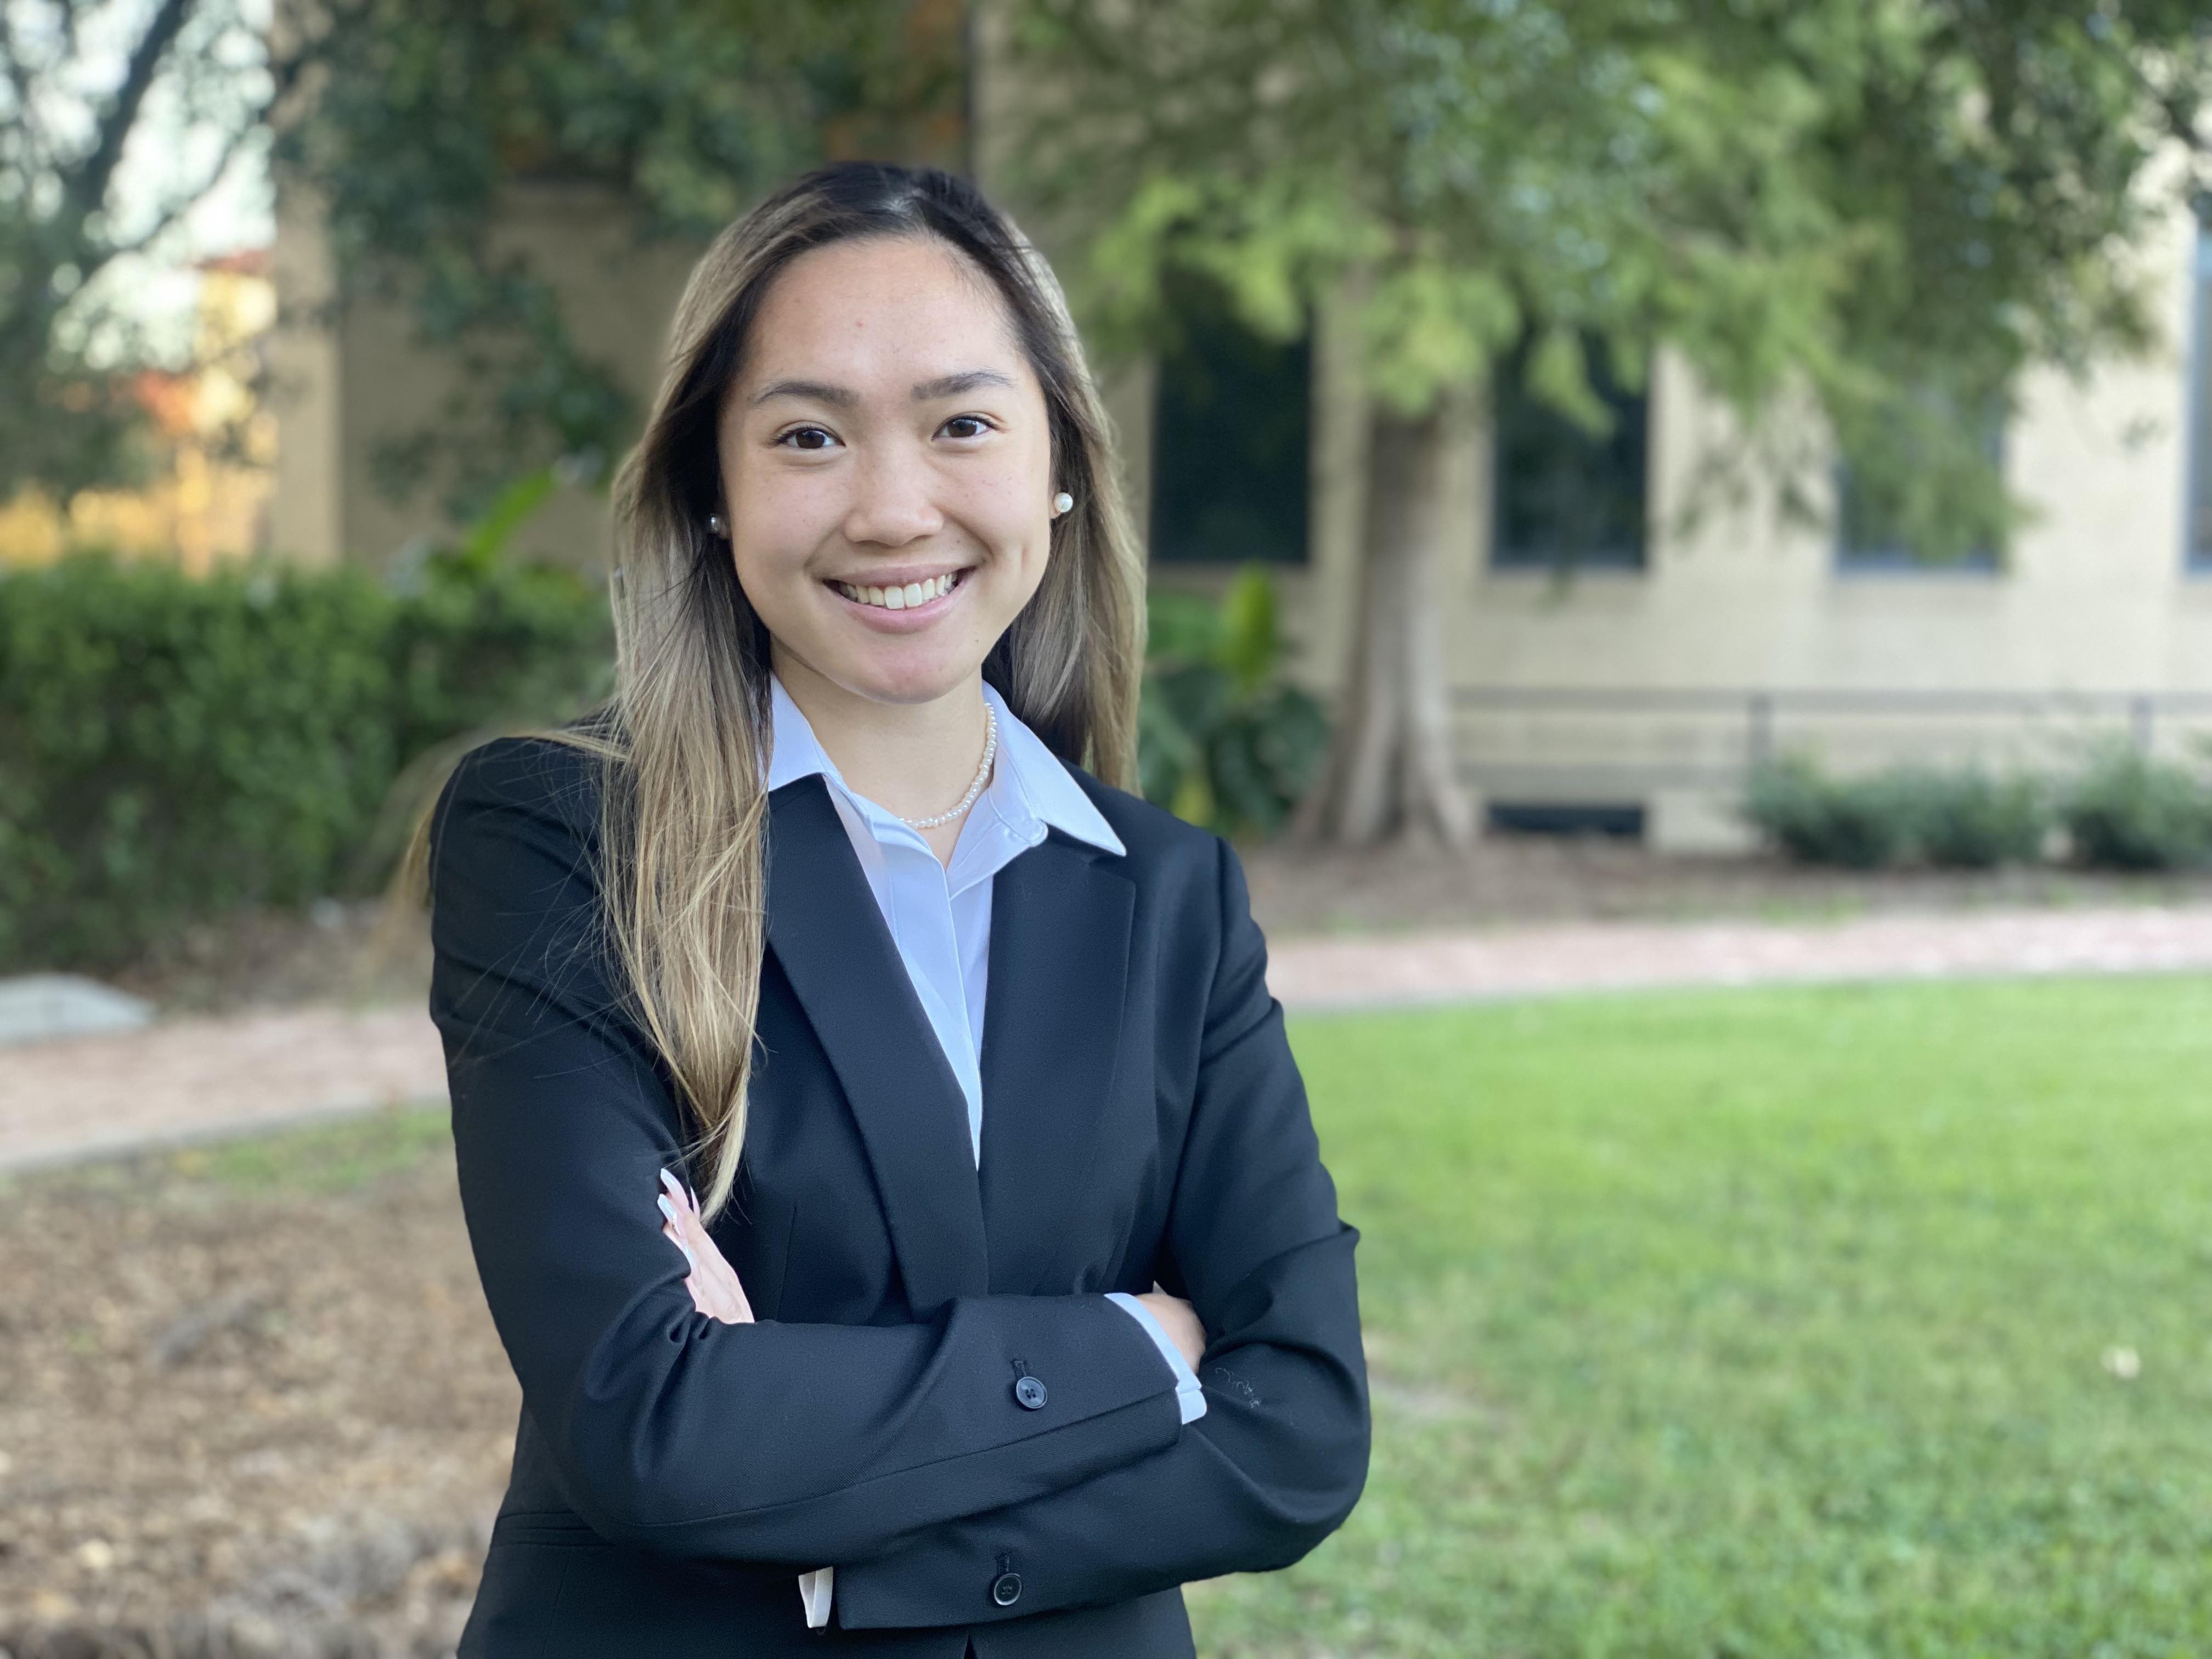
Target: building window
1870 540
1566 497
1229 437
2199 541
1622 821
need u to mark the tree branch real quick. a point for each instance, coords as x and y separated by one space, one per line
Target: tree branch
87 188
181 202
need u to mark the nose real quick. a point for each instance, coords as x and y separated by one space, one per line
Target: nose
892 500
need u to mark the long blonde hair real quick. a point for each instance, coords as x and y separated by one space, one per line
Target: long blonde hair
681 740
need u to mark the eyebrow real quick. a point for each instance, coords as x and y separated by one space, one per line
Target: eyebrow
946 386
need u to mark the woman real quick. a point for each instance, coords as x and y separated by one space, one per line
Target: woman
987 1334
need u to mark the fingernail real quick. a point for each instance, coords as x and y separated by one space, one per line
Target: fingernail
674 1186
666 1208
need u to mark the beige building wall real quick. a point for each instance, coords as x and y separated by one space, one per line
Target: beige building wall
1742 637
306 372
352 378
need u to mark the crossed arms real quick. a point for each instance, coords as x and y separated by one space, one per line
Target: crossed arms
896 1452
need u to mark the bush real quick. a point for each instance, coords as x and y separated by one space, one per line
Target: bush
1817 819
1964 819
1220 739
1970 820
2127 811
173 746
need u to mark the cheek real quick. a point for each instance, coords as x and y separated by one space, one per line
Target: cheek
1009 509
776 519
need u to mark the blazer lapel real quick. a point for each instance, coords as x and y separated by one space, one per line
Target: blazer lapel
1059 962
825 927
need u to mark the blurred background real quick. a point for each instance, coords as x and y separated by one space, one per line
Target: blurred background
1681 550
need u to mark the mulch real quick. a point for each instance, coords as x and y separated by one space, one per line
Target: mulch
243 1418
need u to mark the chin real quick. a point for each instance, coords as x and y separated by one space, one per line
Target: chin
894 677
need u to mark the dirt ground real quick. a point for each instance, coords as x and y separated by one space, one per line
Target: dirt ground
277 959
253 1403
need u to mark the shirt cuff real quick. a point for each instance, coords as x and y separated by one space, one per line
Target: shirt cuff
815 1590
1190 1398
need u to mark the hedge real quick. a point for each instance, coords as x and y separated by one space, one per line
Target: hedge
2120 811
173 746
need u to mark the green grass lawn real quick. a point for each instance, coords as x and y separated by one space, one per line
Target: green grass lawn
1771 1323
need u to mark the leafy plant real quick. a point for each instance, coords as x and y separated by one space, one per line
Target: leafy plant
1970 819
2127 811
1818 819
171 747
1222 741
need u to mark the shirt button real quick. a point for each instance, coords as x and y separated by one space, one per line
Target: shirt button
1030 1391
1007 1589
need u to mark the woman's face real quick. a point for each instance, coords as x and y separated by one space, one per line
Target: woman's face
886 436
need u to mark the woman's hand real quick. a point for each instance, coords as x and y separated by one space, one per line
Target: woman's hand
713 1282
1179 1320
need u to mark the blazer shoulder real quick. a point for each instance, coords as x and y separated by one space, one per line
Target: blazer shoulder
539 786
529 770
1155 837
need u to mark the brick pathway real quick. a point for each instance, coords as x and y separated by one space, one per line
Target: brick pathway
187 1079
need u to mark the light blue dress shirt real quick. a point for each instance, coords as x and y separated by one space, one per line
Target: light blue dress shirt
940 916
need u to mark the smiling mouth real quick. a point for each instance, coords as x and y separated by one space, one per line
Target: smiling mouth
912 596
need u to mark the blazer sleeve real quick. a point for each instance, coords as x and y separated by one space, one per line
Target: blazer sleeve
775 1442
1280 1455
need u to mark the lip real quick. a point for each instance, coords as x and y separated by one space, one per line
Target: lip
914 617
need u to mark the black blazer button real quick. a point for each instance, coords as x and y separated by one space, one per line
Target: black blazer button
1007 1589
1030 1391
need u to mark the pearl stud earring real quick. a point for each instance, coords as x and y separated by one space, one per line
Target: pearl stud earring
1062 502
714 524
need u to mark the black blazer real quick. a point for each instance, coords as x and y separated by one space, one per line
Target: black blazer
1143 1120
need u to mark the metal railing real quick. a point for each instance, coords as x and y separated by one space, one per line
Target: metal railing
1587 740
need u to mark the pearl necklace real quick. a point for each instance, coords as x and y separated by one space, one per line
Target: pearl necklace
990 747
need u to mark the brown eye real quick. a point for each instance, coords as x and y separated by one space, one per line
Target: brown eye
969 426
807 437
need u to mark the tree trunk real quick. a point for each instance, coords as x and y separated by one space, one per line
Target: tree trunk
1389 770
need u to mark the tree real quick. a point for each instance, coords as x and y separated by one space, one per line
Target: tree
409 120
84 86
685 111
1890 206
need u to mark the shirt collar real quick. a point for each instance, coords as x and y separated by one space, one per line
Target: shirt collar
1030 788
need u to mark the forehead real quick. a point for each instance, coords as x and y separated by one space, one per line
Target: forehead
880 311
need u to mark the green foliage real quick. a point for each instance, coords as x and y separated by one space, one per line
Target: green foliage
1895 208
439 115
1768 1323
1221 740
1818 819
80 86
2127 811
1970 819
1963 819
173 746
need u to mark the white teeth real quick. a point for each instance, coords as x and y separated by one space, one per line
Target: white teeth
900 599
